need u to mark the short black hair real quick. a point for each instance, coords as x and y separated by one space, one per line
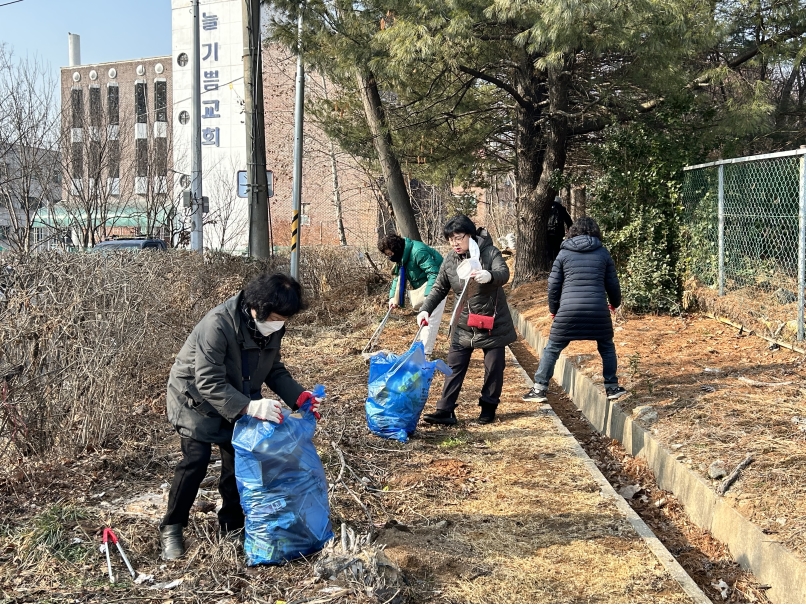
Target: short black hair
273 293
585 226
392 242
459 224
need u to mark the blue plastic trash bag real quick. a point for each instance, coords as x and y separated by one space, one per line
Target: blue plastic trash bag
398 390
283 488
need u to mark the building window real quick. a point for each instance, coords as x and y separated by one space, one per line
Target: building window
141 146
113 104
114 159
140 102
161 156
182 59
77 161
77 107
184 117
95 106
161 101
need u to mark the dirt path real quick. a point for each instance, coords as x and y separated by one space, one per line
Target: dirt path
525 522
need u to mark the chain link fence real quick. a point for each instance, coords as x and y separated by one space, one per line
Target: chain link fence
744 230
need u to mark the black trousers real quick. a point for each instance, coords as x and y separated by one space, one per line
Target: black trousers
459 359
189 474
553 243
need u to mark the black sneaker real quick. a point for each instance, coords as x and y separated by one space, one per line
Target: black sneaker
487 414
537 393
615 392
440 417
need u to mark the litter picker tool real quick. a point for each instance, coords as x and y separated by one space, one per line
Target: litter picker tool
419 331
373 340
109 536
463 270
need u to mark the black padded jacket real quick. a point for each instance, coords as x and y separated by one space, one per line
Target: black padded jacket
582 281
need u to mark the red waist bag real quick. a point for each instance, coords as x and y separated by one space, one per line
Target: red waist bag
482 322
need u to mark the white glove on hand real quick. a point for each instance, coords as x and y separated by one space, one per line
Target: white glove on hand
483 276
422 318
265 409
393 303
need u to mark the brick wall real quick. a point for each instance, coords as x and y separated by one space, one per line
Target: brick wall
359 203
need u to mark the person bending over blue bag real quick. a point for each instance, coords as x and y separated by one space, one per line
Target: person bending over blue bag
216 379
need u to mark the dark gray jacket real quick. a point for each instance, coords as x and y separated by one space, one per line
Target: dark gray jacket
582 280
205 388
483 299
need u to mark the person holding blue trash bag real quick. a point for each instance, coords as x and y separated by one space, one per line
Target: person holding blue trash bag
476 272
216 378
418 265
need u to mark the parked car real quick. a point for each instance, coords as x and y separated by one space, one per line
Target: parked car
114 245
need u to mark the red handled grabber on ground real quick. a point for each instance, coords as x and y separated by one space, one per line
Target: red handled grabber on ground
109 536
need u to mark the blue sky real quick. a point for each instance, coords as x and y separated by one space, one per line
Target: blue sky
110 30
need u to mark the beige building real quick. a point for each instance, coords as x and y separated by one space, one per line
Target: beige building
117 150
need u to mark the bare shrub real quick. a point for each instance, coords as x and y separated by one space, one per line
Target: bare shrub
87 340
326 269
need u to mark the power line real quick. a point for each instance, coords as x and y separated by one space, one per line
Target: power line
12 2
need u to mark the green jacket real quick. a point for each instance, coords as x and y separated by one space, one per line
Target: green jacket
205 394
422 266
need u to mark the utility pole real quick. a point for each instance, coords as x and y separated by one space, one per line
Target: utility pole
257 186
196 204
298 116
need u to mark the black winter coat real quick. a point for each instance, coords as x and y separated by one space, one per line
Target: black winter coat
205 387
483 299
582 280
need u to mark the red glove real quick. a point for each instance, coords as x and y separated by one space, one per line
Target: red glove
307 396
552 315
612 308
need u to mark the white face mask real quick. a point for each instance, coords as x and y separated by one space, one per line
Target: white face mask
267 328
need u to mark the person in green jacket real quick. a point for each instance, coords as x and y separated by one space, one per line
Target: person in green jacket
420 265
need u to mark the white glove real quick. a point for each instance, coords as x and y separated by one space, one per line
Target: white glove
422 318
393 303
265 409
483 276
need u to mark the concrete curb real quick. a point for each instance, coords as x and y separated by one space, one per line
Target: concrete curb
665 558
770 562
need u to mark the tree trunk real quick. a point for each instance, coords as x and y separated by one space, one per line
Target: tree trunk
579 202
531 241
382 140
532 259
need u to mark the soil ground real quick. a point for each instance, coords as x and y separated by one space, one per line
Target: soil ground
719 394
500 513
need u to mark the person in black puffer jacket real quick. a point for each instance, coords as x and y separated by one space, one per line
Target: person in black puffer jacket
484 296
582 280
